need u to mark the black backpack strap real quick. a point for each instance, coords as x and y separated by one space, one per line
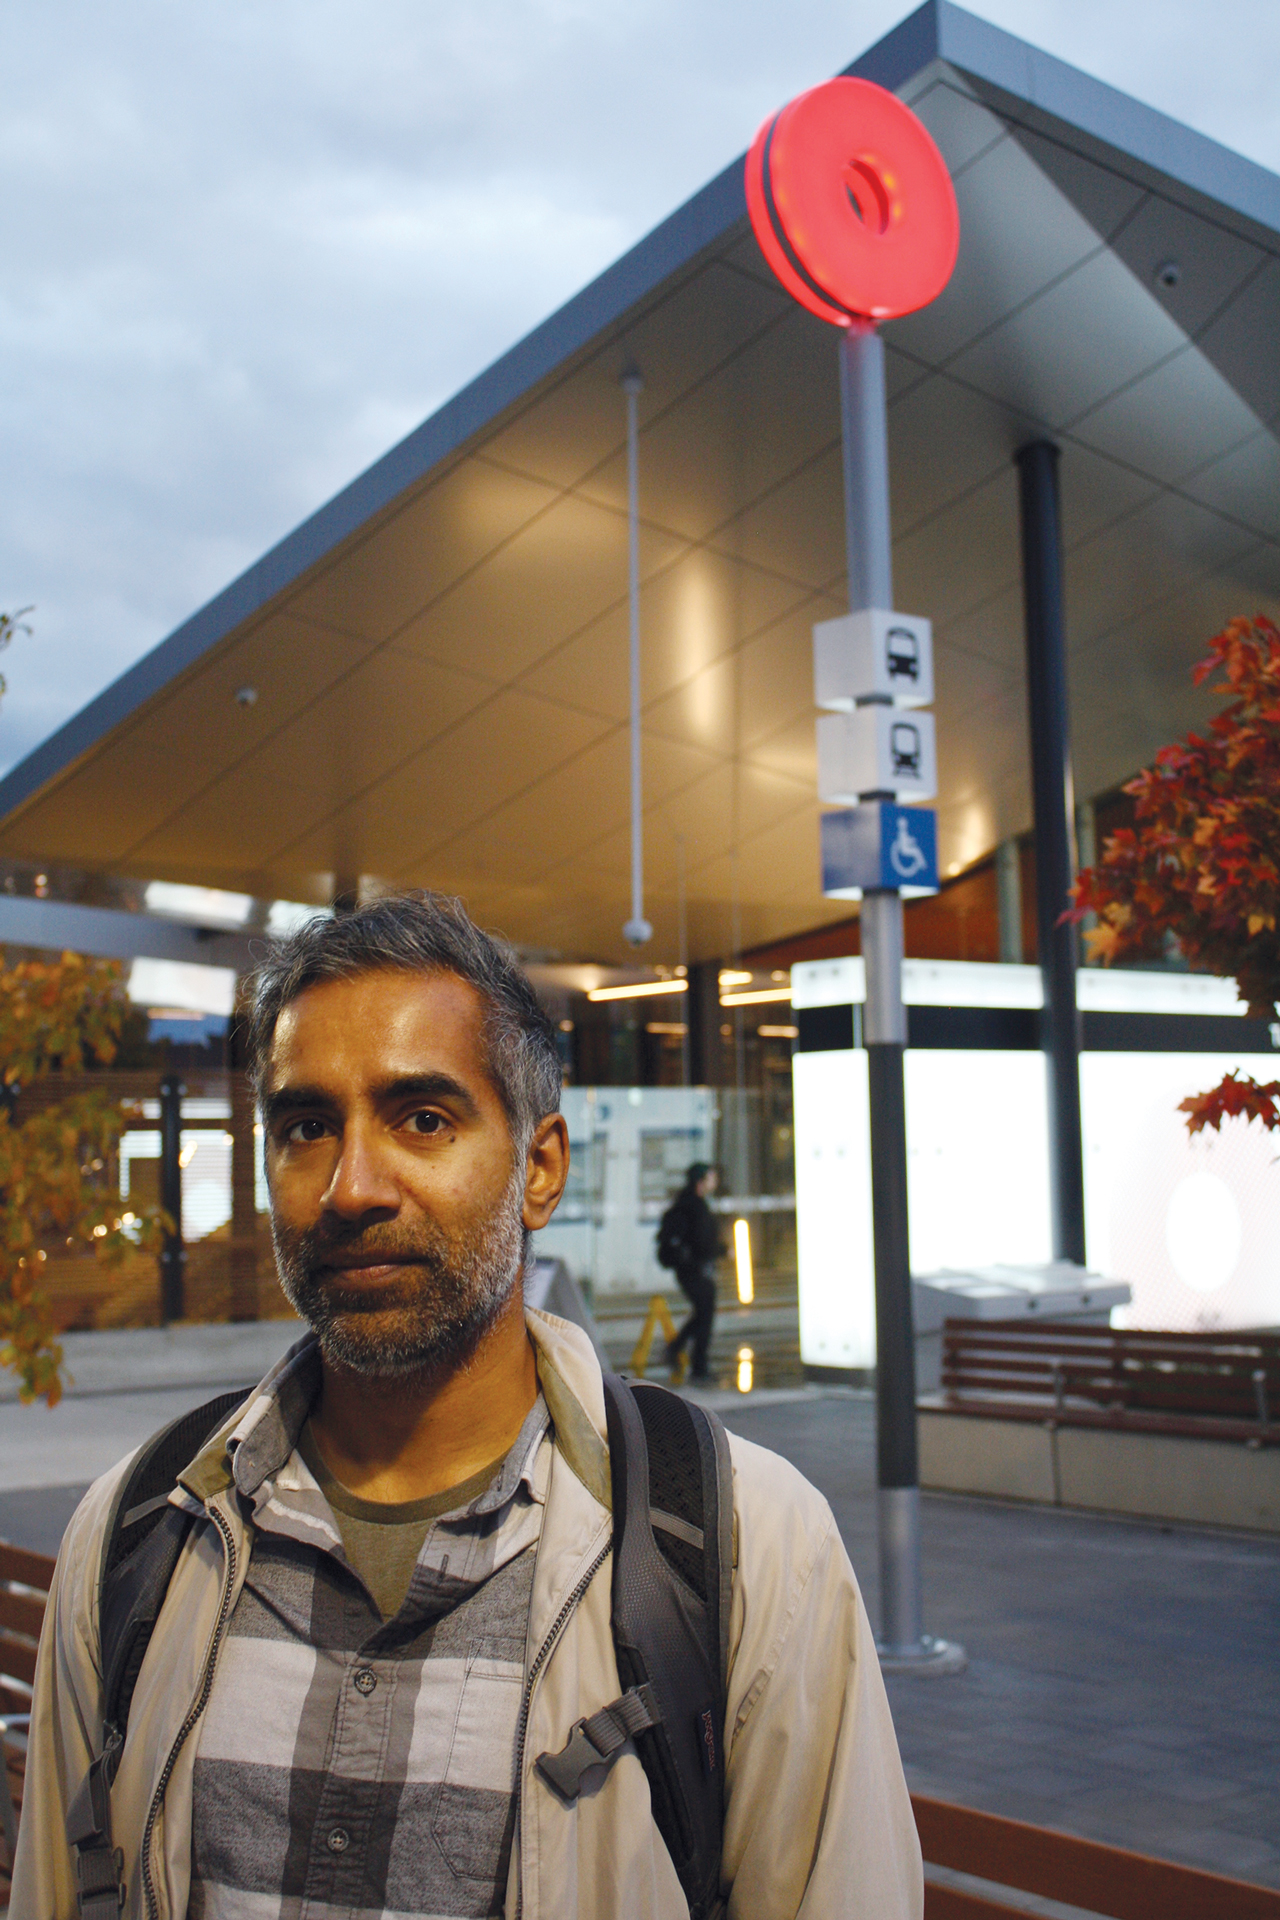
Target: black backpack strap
143 1538
672 1582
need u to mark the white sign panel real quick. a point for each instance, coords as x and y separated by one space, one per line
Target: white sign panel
873 655
876 750
833 1209
1191 1221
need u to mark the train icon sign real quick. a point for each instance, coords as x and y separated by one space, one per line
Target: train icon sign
873 655
876 753
902 654
879 848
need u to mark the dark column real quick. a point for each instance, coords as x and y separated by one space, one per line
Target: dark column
173 1257
1055 832
244 1169
700 1008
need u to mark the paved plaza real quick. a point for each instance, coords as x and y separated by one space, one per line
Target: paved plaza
1123 1678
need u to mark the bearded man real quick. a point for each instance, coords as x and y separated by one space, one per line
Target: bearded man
395 1591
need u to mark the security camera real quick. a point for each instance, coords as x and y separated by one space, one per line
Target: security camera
637 932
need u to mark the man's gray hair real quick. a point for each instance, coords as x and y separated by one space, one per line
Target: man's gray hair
429 933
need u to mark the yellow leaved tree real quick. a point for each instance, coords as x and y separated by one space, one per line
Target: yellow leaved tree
59 1165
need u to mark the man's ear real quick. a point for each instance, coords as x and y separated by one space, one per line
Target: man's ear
546 1170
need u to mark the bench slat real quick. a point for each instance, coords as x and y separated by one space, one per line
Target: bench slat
949 1903
1082 1873
13 1700
22 1612
17 1659
30 1569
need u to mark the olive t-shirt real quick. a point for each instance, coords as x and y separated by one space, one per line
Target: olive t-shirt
383 1538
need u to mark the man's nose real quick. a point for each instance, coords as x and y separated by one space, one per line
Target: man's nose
362 1179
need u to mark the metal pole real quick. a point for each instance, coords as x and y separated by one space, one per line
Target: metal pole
1009 901
172 1253
1051 782
867 540
903 1641
637 930
682 932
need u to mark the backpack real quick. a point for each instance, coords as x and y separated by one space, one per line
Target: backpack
672 1248
672 1582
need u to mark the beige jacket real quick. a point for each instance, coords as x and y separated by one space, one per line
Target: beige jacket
818 1822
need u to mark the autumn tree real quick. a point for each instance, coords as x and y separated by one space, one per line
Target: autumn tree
1202 859
59 1158
11 624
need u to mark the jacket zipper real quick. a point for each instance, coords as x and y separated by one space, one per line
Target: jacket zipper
522 1726
202 1700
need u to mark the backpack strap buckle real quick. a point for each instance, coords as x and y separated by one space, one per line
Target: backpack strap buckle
597 1740
99 1865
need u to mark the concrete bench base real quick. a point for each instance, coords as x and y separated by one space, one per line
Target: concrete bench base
1152 1476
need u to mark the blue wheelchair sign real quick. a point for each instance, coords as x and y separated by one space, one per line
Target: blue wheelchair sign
879 847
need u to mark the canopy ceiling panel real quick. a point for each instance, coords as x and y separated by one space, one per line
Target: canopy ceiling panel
440 655
387 711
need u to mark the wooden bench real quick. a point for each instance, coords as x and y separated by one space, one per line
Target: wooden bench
24 1589
1220 1386
1013 1858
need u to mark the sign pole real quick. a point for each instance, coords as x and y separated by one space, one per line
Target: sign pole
870 562
853 208
903 1641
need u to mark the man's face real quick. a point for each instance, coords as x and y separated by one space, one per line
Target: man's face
397 1209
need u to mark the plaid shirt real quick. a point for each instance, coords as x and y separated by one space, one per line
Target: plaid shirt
349 1765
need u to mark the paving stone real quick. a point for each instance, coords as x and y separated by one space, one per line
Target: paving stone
1123 1680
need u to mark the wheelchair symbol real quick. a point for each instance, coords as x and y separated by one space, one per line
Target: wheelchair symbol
903 651
904 744
906 856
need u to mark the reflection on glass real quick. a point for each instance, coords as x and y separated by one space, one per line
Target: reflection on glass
742 1259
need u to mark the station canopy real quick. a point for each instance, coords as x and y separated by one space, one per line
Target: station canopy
440 654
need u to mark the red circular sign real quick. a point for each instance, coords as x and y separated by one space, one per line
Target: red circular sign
852 203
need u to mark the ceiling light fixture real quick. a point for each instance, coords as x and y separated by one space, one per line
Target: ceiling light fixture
639 990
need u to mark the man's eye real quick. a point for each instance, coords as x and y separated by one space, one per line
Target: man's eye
426 1123
300 1130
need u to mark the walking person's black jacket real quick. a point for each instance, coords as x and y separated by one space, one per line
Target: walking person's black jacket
691 1227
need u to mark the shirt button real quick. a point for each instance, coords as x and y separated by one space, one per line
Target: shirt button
339 1840
366 1680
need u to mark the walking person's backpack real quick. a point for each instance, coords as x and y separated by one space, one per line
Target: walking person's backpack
672 1248
672 1581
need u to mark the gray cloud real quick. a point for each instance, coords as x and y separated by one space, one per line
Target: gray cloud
243 249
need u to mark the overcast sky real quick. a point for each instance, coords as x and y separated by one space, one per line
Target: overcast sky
245 247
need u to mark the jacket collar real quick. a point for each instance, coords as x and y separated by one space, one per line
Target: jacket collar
244 1450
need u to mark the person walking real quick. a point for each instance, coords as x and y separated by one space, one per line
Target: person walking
393 1604
689 1227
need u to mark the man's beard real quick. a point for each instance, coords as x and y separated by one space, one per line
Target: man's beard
428 1321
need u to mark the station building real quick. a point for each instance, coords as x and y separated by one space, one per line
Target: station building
426 685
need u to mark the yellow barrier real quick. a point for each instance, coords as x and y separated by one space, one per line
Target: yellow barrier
659 1315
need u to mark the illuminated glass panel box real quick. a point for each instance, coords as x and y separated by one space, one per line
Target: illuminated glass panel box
1191 1225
